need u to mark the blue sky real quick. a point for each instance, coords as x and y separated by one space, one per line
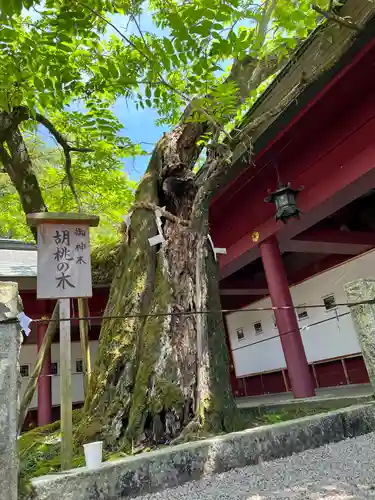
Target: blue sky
139 124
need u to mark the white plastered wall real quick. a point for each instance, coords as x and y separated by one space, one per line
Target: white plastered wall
257 353
28 356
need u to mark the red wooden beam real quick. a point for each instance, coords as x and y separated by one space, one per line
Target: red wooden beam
306 246
223 192
341 176
366 238
328 262
244 291
331 241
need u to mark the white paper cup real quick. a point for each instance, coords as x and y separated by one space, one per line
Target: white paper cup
93 454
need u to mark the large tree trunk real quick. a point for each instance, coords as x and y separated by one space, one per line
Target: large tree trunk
161 377
165 377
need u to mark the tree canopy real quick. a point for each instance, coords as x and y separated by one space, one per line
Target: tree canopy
66 62
105 190
56 51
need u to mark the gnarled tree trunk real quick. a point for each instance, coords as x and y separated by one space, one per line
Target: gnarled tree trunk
165 376
161 375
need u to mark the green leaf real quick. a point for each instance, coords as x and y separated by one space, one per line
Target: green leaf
63 46
168 45
39 84
112 68
104 71
203 28
183 57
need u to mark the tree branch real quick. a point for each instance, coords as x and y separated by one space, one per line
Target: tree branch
268 9
12 120
134 46
247 74
74 149
67 149
331 16
124 37
17 164
250 69
217 168
138 28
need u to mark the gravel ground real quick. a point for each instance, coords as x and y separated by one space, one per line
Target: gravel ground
341 471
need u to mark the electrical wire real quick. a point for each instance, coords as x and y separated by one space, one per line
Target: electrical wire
193 313
304 328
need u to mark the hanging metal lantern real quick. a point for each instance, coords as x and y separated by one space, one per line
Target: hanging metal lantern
285 200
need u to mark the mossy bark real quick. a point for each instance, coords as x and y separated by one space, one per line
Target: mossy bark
159 378
363 316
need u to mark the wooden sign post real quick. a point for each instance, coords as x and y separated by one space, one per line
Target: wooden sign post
64 272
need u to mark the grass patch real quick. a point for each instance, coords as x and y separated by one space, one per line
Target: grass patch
256 417
39 454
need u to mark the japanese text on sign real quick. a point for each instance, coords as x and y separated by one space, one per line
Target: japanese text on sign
64 267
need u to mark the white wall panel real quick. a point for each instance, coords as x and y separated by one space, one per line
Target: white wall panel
333 337
28 356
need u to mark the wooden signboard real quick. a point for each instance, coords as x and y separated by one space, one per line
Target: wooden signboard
64 272
64 266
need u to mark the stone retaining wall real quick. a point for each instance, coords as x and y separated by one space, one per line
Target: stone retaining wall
173 466
10 344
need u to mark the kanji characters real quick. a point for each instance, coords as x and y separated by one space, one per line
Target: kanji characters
62 253
80 232
63 280
62 237
80 246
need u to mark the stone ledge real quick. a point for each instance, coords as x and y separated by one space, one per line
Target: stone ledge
169 467
320 401
10 301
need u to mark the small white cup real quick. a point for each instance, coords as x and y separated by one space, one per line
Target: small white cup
93 454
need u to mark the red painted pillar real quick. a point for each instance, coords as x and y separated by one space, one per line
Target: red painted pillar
290 336
44 383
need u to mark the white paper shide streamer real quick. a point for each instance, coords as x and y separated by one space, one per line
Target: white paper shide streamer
216 250
127 219
159 238
24 322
